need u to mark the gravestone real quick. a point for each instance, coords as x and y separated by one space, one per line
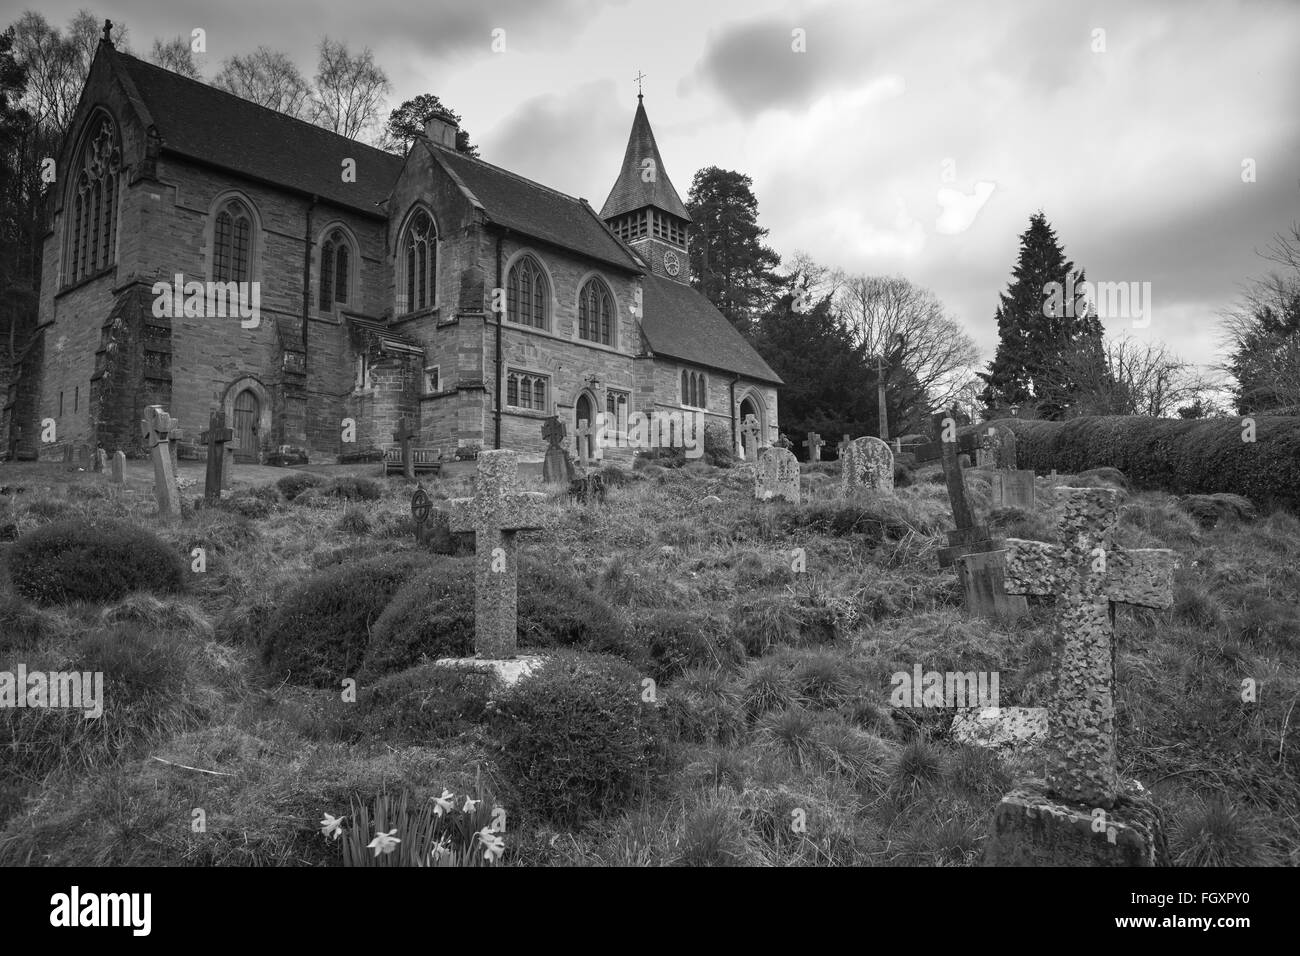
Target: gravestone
1082 811
749 437
981 577
83 457
777 475
101 460
420 508
1013 489
228 466
119 467
997 448
842 448
556 468
867 463
157 428
216 438
496 513
586 441
814 445
403 437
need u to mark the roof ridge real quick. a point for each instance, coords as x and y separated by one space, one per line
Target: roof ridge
511 174
235 96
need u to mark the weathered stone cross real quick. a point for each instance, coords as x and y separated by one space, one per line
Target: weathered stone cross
814 446
215 438
843 446
584 433
403 437
749 427
158 428
495 514
1090 575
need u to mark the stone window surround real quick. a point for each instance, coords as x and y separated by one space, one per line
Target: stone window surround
437 370
399 265
354 269
704 387
614 337
535 373
525 252
121 179
255 239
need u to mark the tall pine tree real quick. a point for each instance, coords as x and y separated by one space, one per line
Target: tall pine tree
729 262
1040 340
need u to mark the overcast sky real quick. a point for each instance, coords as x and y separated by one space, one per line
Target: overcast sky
1132 141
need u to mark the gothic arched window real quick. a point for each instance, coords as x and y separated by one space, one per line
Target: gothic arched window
92 238
232 242
417 261
695 389
595 312
335 279
527 293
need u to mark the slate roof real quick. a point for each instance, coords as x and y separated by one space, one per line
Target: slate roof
681 323
630 190
535 210
207 124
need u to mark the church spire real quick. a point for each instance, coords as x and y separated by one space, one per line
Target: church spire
643 208
642 180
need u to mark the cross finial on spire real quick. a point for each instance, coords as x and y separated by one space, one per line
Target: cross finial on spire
639 77
108 32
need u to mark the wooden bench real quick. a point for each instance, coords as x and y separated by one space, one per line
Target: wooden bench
426 460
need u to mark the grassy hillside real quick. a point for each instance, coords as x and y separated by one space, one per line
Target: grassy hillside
769 632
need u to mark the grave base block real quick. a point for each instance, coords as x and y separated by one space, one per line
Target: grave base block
1031 828
506 671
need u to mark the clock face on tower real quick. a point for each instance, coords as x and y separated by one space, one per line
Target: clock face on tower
671 265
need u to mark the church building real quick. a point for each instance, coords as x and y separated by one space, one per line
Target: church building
368 288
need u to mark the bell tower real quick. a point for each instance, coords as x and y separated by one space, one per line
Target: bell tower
644 209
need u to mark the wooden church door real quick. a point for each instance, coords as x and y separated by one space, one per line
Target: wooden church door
247 413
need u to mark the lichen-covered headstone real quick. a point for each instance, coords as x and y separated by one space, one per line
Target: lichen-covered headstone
777 475
496 513
158 427
867 463
1083 812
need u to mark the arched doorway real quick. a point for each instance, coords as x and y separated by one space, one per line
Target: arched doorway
248 414
750 443
584 410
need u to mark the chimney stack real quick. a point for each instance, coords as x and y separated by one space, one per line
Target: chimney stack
441 130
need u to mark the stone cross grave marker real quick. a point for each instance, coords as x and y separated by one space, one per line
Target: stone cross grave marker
555 465
403 437
777 475
1090 575
158 428
981 576
119 467
496 513
814 446
749 430
215 438
842 448
868 463
420 509
588 451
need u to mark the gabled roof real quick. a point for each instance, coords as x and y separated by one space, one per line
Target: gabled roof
681 323
206 124
520 204
631 191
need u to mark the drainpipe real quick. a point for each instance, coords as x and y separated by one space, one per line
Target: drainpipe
306 278
499 317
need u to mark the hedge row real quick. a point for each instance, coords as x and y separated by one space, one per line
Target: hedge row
1202 456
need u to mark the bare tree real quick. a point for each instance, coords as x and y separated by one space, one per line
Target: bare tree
890 316
175 55
350 90
806 275
50 61
1129 377
1262 332
266 77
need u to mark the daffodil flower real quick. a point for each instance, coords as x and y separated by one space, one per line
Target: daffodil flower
384 842
332 826
470 805
493 844
443 804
